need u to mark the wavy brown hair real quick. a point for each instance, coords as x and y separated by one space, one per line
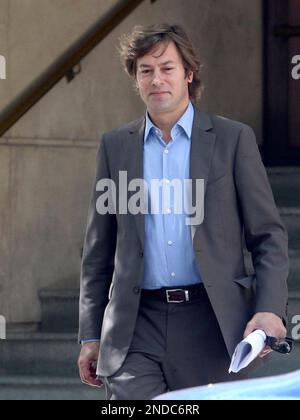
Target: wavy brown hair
144 39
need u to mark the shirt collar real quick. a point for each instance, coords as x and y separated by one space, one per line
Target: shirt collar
185 122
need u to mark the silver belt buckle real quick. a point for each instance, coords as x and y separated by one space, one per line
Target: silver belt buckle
186 292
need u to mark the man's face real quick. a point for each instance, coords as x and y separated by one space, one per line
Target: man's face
161 79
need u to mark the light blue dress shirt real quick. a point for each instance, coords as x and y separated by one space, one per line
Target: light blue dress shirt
168 255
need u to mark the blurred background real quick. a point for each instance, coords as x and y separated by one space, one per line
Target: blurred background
64 87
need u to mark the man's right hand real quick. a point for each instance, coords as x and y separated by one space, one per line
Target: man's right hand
87 363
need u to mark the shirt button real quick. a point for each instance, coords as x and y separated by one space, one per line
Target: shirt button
169 211
170 242
136 290
166 151
173 274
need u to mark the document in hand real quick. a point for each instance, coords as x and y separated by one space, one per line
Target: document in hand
247 350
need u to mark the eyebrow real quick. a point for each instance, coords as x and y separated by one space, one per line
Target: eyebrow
162 64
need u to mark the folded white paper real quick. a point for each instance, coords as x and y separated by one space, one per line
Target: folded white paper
247 350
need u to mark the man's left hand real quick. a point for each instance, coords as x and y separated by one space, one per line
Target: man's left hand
270 323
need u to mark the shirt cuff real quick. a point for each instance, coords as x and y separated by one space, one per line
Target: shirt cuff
92 340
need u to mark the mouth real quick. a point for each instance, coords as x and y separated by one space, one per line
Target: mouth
158 93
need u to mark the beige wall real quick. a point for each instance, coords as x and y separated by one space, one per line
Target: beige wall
47 159
35 31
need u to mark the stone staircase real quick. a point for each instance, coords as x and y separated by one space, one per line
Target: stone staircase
42 365
285 184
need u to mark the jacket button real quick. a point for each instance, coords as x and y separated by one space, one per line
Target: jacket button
136 290
141 254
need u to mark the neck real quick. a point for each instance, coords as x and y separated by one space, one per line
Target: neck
166 120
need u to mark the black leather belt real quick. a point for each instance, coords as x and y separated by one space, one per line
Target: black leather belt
178 294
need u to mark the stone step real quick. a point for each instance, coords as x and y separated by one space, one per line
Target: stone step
293 282
285 183
53 355
291 218
59 310
38 388
294 276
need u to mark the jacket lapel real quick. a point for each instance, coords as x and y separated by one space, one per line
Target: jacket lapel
201 154
200 157
135 167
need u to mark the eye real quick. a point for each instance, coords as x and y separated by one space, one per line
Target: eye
145 71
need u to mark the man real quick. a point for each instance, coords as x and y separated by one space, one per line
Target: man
179 299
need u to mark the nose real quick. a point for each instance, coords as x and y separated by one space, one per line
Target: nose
156 81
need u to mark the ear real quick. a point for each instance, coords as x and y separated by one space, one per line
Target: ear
136 85
190 76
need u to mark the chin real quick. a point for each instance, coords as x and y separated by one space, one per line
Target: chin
163 106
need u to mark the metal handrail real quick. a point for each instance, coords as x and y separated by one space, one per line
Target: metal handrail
65 64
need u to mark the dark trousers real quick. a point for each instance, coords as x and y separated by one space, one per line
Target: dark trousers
175 346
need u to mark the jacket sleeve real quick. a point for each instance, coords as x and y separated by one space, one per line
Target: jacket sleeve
98 258
265 235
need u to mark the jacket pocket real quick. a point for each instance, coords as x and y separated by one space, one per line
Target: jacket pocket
247 282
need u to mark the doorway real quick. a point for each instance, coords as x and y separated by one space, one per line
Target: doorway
281 83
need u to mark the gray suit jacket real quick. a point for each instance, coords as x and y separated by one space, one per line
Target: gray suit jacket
238 199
